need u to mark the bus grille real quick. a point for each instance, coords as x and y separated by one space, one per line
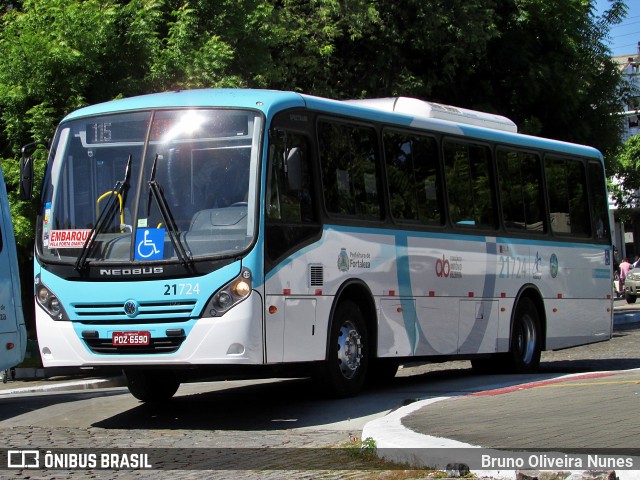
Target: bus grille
148 312
156 345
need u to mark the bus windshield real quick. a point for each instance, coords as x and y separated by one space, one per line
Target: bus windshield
159 185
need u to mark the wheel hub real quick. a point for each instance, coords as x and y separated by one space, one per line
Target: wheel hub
349 350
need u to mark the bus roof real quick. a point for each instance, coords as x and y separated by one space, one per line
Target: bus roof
225 97
400 111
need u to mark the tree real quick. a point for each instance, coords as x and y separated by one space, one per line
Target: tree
544 64
625 189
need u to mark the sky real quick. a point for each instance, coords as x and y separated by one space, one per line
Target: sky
626 35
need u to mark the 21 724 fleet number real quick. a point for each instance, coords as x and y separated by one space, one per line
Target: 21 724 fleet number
181 289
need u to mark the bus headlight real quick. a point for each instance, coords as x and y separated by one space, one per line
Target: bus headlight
49 302
224 300
242 288
229 295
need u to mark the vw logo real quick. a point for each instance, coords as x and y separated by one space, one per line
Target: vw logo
131 308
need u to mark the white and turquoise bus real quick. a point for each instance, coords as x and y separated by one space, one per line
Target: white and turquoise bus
13 333
264 232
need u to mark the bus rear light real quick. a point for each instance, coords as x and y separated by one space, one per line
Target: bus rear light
273 309
10 346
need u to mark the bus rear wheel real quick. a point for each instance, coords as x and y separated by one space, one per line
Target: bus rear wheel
152 385
344 372
526 338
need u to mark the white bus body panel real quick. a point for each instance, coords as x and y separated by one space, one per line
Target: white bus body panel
439 294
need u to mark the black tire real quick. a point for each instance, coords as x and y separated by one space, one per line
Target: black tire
630 298
526 339
152 385
344 371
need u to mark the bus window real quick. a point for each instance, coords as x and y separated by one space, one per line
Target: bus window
599 206
348 154
413 177
289 193
290 213
567 196
522 200
469 185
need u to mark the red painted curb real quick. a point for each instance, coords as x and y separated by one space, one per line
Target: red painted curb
527 386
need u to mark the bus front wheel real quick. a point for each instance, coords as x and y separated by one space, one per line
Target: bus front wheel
152 385
344 372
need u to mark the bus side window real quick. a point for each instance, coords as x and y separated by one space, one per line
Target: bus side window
599 206
289 193
413 175
521 193
349 157
469 184
567 196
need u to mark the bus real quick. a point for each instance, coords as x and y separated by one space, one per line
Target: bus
213 232
13 332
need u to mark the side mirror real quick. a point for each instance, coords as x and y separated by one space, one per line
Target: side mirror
26 171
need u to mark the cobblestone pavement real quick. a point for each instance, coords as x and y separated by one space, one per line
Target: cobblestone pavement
317 449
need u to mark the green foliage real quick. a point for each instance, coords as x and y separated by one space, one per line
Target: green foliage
544 64
627 177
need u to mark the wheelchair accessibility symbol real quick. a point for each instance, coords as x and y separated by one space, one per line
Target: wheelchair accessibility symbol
149 244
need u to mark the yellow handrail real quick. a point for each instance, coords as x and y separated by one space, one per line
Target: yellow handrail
102 197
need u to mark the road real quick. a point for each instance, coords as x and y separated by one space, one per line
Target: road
227 417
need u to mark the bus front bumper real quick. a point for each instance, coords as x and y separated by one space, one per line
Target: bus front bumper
233 339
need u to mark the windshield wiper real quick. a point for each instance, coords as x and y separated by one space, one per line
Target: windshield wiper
172 229
104 216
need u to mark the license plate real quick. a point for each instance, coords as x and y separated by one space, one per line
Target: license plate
134 339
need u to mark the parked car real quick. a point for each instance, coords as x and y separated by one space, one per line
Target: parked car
632 286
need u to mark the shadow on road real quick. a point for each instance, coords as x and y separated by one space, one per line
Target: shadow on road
14 405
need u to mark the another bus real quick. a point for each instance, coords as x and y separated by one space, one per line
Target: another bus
257 232
13 332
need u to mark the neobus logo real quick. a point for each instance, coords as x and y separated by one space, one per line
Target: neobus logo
110 272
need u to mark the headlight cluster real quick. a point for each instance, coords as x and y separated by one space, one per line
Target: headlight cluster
230 295
48 300
634 276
